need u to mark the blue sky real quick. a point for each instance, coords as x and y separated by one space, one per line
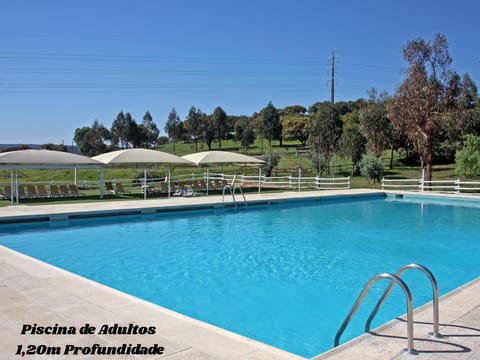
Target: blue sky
64 64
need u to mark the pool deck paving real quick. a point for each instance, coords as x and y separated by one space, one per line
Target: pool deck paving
33 292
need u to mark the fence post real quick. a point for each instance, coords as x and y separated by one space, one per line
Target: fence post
383 183
348 182
299 178
259 179
457 186
422 181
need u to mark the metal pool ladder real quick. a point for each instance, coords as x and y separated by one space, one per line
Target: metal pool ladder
232 192
395 279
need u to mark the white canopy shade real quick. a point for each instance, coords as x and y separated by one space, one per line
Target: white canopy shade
206 158
45 158
141 156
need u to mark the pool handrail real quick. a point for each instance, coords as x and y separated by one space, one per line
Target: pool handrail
433 281
356 305
232 192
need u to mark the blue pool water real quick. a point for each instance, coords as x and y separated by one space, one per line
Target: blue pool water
285 275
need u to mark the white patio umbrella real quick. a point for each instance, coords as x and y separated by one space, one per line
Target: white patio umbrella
208 158
143 156
43 159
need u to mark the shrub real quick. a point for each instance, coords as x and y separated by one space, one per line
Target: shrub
467 160
372 168
271 161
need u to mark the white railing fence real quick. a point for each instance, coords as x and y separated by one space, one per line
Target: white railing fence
453 186
20 189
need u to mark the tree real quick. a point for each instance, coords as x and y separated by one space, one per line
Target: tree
91 141
467 160
132 131
208 129
375 123
296 124
467 105
149 131
352 142
174 127
193 125
244 132
269 126
420 101
119 130
327 130
219 119
54 147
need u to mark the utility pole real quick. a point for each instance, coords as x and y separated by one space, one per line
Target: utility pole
332 89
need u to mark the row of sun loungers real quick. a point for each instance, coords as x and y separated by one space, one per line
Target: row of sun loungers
178 188
182 188
41 192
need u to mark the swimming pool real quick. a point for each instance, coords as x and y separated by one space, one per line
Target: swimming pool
284 274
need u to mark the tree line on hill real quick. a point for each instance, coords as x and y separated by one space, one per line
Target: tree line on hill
428 117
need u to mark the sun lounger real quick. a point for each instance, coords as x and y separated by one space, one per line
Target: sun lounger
163 188
73 189
109 187
116 189
188 192
3 194
42 191
119 189
200 185
21 192
54 191
32 192
64 190
8 192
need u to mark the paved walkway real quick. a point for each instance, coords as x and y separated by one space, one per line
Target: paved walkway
34 294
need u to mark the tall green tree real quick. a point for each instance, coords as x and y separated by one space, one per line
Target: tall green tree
269 126
193 125
174 127
296 124
149 131
219 119
244 132
208 129
326 132
92 140
132 132
119 130
420 101
352 143
375 123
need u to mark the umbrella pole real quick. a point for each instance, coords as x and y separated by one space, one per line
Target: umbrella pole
169 183
145 189
208 180
259 179
16 186
11 187
102 183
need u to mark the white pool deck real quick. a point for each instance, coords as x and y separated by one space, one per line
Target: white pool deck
33 292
